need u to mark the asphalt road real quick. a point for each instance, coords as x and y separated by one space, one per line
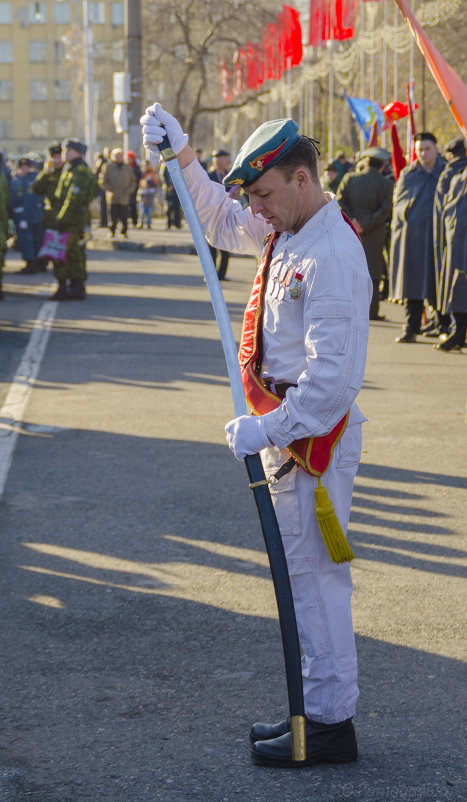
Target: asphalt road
139 632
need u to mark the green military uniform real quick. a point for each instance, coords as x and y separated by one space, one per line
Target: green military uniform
46 184
4 198
76 188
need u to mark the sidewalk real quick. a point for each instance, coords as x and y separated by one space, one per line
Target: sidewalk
157 240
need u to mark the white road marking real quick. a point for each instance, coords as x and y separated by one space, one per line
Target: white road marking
12 411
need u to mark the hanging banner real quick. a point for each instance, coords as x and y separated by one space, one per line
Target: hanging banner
332 19
450 85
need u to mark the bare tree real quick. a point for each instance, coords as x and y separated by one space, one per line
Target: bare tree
184 42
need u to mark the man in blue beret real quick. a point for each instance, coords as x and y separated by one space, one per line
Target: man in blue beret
311 297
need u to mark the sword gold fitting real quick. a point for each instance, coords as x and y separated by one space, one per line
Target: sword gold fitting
297 728
270 481
168 154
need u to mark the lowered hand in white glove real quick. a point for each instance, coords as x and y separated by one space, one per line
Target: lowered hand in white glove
155 123
246 435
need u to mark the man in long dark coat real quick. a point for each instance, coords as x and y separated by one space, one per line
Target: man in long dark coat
412 268
452 285
456 162
366 198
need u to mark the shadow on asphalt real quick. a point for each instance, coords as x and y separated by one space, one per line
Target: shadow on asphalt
120 685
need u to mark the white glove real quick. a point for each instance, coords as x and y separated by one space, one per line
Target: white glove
246 435
155 123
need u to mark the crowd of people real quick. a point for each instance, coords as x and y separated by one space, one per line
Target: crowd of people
414 233
413 230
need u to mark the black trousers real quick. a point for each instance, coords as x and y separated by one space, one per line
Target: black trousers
223 261
118 211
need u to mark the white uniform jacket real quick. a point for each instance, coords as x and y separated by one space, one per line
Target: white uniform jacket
316 311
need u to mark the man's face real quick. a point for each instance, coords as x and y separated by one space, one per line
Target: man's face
427 153
118 157
331 176
57 160
222 163
71 154
23 169
279 201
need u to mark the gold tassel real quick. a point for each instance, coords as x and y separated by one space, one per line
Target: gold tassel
330 528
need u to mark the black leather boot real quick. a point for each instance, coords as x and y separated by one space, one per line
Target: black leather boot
61 293
325 743
77 291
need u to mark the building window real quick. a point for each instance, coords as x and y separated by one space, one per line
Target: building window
37 13
96 12
62 13
62 90
40 128
38 90
6 90
37 51
117 14
6 52
5 13
58 51
117 51
5 129
63 128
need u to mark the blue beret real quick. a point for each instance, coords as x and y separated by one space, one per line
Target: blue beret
262 150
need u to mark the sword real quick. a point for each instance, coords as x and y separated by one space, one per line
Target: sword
258 482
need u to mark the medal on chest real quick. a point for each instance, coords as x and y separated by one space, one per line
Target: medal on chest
295 287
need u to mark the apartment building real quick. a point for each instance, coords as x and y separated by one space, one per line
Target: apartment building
42 72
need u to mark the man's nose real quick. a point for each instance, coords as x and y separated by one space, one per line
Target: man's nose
256 205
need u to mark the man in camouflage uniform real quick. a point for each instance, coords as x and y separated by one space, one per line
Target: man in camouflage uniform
45 184
4 198
76 189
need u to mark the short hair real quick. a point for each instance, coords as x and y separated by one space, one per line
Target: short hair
425 135
456 147
303 154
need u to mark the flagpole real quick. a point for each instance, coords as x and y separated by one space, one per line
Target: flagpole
395 77
385 67
362 69
331 104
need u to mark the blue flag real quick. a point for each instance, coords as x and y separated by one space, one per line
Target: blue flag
365 112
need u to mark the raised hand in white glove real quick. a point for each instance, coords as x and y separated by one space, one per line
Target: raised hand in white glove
246 435
155 123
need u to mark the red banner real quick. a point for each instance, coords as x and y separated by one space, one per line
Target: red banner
332 20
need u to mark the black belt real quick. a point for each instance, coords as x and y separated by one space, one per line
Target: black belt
279 388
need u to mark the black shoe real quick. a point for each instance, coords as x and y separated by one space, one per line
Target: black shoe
378 317
61 293
29 268
450 344
77 291
408 337
325 743
264 732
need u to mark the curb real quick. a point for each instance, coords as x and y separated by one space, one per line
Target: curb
117 245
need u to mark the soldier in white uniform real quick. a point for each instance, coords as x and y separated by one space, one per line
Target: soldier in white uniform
314 339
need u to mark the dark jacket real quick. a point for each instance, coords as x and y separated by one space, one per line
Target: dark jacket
412 268
367 196
24 203
452 284
451 169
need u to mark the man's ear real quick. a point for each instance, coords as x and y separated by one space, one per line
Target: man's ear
302 177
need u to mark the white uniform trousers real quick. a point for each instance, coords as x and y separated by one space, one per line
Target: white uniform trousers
321 589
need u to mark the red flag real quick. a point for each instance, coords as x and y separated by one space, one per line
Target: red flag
412 128
293 49
451 86
332 19
398 158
